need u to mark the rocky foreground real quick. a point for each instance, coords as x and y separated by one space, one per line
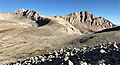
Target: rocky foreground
103 54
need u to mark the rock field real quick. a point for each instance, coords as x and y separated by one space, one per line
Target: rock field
104 54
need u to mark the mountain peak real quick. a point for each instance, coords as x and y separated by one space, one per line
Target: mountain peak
19 11
87 22
30 14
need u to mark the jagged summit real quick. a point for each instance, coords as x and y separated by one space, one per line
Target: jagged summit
87 22
20 10
85 16
30 14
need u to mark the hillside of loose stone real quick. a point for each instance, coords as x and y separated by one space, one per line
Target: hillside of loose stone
19 40
25 33
104 36
102 47
102 54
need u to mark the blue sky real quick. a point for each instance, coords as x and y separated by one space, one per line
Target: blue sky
109 9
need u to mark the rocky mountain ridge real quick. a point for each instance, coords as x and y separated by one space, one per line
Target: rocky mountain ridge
87 22
29 14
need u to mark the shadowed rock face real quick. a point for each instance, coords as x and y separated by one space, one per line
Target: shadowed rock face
42 21
87 22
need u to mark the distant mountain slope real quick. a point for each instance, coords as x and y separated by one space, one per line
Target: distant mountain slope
117 28
87 22
101 37
84 21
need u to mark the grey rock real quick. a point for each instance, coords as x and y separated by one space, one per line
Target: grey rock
104 54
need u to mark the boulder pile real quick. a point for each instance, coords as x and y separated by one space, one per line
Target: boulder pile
104 54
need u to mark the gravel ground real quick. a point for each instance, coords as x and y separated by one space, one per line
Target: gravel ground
103 54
